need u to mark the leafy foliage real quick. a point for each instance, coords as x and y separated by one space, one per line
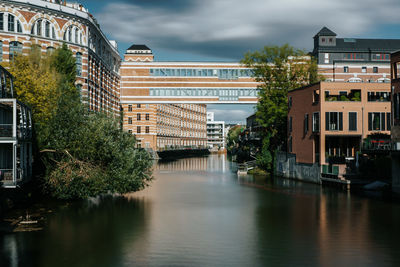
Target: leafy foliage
85 153
233 137
36 84
279 70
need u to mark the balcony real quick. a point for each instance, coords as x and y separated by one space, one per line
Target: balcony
379 97
353 95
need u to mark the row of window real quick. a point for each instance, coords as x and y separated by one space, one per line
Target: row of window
130 107
377 121
41 27
358 56
220 92
139 129
363 69
139 117
13 24
16 48
220 73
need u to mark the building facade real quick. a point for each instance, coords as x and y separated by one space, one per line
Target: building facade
215 132
47 25
175 94
331 119
395 134
353 59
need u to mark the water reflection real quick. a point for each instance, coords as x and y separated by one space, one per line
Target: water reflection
198 212
211 163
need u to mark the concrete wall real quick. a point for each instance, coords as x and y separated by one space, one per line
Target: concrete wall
286 166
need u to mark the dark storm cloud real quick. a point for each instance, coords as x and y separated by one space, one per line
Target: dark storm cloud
229 28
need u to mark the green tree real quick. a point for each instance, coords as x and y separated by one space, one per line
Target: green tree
233 137
36 83
279 70
84 153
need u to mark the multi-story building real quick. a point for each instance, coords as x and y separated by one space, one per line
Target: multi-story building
353 59
47 24
331 119
175 94
395 71
215 132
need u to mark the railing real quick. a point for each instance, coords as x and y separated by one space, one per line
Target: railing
383 144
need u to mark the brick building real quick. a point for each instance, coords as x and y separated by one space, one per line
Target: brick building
48 24
173 97
395 71
353 59
331 119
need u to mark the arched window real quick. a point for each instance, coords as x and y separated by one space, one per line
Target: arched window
53 33
11 23
50 50
78 64
15 49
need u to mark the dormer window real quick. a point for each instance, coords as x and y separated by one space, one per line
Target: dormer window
323 40
330 40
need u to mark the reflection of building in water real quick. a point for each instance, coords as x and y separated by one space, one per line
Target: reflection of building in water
215 162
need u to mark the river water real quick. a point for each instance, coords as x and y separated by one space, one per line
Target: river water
198 212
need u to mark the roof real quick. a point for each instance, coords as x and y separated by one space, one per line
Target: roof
139 47
325 32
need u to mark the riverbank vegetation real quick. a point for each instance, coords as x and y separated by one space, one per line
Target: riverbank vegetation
279 70
79 153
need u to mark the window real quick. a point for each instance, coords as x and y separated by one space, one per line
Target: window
15 49
129 120
129 108
305 124
376 121
290 102
11 23
147 129
1 51
47 29
138 105
375 69
78 64
39 27
290 145
388 122
147 116
76 35
130 131
315 125
352 121
380 56
50 50
138 116
352 56
1 21
138 129
334 121
290 124
345 69
396 107
364 69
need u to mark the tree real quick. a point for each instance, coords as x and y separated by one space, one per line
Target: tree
279 70
36 83
84 153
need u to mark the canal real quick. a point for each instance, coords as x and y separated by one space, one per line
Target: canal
197 212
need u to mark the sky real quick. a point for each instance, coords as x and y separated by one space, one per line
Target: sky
223 30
